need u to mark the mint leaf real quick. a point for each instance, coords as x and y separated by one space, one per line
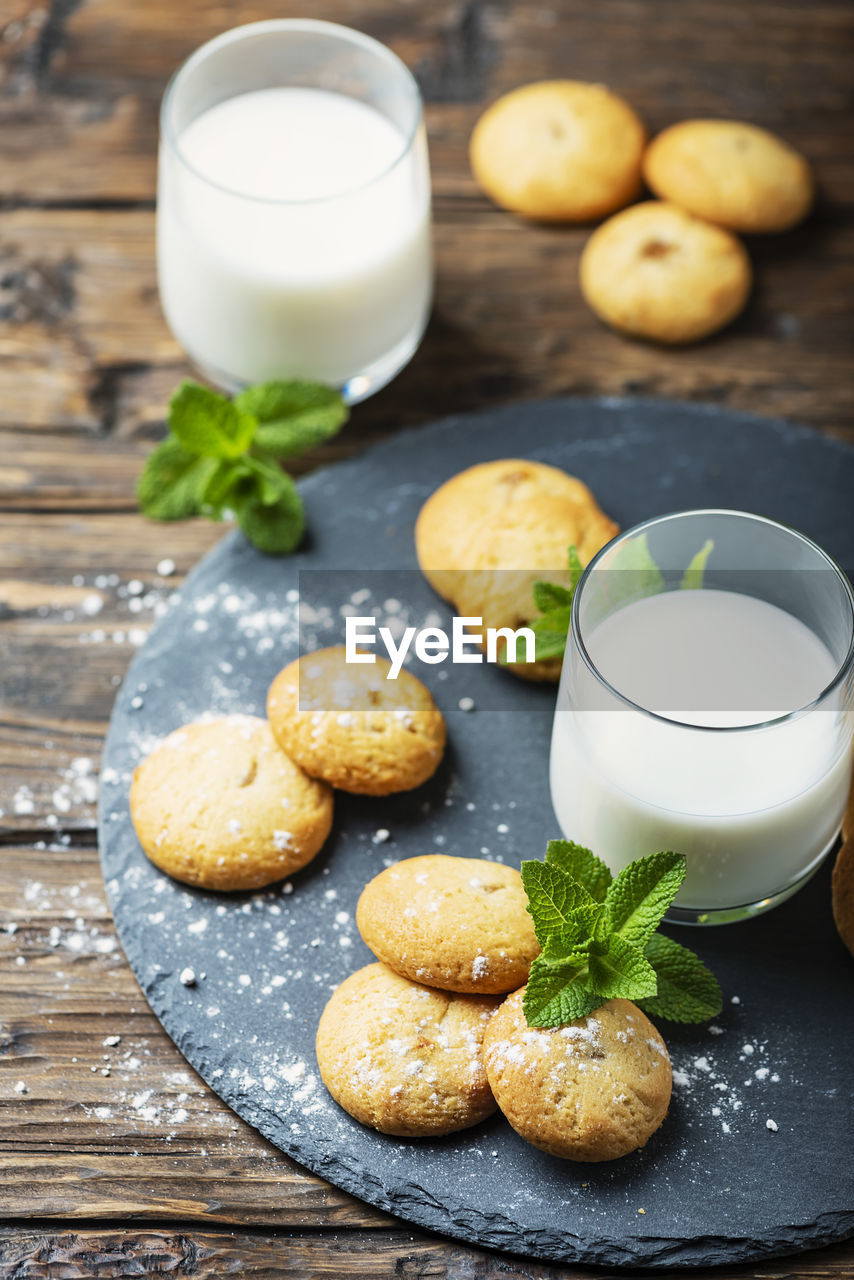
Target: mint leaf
622 972
555 605
640 895
207 423
692 578
226 482
549 595
634 558
599 943
552 896
277 527
272 482
576 568
293 416
582 865
173 482
572 941
557 994
550 632
687 990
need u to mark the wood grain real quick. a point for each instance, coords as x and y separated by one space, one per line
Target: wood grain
358 1255
86 369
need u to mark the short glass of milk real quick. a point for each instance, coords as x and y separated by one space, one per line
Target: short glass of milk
293 208
708 709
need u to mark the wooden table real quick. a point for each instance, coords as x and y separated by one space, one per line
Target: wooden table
115 1160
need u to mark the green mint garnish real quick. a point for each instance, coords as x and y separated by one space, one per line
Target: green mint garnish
598 939
223 455
555 605
643 578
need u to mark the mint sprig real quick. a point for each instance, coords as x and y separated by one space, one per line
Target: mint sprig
598 939
554 601
222 456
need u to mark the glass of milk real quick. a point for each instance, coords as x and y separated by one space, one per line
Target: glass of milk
293 208
714 720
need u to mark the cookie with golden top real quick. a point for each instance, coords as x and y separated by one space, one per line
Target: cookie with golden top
657 272
594 1089
218 804
559 151
456 923
351 726
403 1058
736 175
489 533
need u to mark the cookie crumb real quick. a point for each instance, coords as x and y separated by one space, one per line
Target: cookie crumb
188 977
772 1125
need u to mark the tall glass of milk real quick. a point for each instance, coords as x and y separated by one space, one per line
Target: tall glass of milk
293 208
708 713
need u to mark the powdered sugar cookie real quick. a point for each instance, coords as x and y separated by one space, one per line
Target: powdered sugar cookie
489 533
456 923
403 1058
351 726
594 1089
219 804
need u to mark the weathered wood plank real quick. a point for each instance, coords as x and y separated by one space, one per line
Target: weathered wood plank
88 350
99 1113
362 1255
79 107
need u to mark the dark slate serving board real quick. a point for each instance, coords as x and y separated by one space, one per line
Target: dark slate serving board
716 1184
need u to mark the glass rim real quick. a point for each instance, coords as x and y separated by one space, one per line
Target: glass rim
576 638
333 30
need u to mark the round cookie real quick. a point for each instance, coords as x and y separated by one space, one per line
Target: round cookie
351 726
489 533
403 1058
559 151
655 271
217 804
737 175
455 923
594 1089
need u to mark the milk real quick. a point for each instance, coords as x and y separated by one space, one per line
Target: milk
752 810
294 238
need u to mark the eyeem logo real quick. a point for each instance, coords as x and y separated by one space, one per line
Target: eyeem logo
433 644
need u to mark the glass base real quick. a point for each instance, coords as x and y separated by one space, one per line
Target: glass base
357 388
731 915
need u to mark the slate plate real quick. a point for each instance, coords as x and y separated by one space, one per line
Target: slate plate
716 1184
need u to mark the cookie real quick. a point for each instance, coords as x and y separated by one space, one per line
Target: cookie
559 151
737 175
219 805
455 923
594 1089
655 271
843 893
351 726
489 533
403 1058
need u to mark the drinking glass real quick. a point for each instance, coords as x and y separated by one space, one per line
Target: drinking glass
752 792
335 288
